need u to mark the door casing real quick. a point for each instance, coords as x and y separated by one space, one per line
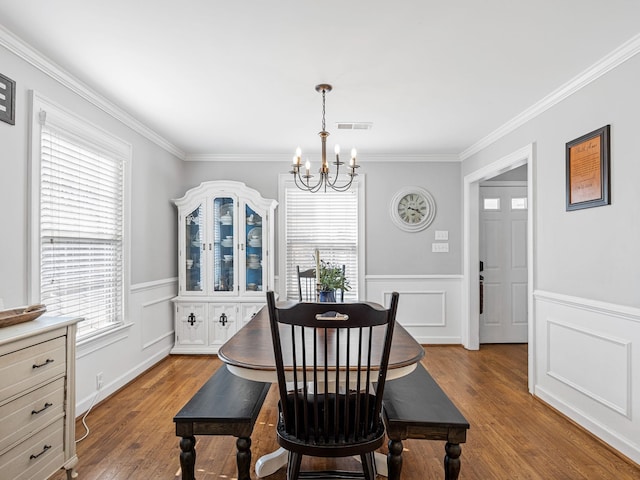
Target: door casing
470 328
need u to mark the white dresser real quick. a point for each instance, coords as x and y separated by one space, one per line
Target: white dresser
37 398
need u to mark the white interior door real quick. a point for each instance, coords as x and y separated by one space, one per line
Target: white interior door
503 251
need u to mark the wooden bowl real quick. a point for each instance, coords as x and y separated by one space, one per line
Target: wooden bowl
22 314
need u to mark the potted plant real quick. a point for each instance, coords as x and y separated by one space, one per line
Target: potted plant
331 278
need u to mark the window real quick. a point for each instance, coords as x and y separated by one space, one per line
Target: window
78 180
491 204
327 221
519 203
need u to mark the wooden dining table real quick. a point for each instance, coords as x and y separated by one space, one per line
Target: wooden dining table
249 354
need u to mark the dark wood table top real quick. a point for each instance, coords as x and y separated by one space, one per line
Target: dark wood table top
250 351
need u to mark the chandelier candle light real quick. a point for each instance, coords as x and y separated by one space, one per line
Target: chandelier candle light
303 182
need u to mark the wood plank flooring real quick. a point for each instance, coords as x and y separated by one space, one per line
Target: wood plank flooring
512 435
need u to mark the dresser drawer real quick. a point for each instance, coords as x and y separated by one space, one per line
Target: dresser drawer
38 457
29 413
24 369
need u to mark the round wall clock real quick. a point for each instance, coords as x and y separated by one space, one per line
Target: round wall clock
413 209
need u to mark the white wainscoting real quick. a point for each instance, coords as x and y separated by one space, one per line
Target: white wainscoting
125 353
585 366
430 306
150 304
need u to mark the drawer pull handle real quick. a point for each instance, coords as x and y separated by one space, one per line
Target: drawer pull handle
47 362
46 405
46 447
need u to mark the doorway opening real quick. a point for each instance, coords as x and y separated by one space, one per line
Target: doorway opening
471 245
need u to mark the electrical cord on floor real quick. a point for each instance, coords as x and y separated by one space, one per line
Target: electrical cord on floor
84 417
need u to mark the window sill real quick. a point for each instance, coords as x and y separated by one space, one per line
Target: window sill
99 341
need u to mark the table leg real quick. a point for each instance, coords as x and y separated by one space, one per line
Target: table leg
188 457
243 457
452 461
394 459
271 462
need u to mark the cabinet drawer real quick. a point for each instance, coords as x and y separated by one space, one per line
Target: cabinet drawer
29 413
37 457
31 366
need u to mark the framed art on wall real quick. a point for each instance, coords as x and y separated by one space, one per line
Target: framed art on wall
587 170
7 100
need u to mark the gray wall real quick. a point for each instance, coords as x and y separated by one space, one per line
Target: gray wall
155 179
389 251
591 253
156 175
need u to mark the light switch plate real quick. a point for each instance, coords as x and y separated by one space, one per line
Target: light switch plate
440 247
442 235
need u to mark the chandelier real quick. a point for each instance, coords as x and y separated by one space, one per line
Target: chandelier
326 179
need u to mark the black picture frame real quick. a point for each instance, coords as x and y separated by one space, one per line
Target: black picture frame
588 162
7 100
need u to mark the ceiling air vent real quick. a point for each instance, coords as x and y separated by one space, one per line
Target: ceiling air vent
354 125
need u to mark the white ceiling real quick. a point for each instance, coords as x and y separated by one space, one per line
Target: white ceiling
238 77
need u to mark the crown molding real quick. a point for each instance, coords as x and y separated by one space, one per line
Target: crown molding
283 157
23 50
612 60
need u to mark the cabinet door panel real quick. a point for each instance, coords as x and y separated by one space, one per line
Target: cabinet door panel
191 324
254 251
224 244
222 323
247 312
193 259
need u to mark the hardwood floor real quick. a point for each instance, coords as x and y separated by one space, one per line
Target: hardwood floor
512 435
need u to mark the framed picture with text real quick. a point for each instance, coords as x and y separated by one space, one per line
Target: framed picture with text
7 100
587 168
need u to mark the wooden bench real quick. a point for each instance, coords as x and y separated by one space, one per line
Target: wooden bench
225 405
414 406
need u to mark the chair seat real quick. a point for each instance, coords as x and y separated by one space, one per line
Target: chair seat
340 448
320 438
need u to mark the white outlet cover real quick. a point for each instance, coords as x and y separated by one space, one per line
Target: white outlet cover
440 247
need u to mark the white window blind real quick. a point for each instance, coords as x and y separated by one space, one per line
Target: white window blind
327 221
81 230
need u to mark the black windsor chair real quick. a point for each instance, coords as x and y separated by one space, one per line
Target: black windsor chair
331 377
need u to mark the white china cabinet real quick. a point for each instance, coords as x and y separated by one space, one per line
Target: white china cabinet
225 262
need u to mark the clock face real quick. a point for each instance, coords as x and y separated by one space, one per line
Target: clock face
413 209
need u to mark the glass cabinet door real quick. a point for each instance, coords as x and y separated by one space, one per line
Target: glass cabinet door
223 244
194 250
254 251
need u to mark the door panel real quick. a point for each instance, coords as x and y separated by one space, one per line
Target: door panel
503 249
